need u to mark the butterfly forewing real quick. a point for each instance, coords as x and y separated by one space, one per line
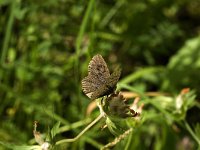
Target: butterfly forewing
98 68
97 74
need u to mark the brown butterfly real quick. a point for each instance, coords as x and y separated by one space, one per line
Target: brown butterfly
99 81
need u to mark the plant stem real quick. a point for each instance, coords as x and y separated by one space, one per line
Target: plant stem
130 138
78 48
74 125
8 33
140 73
111 13
191 132
81 133
83 26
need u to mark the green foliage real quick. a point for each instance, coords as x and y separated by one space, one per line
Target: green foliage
45 47
185 65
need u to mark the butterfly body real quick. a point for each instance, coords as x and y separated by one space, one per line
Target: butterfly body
99 81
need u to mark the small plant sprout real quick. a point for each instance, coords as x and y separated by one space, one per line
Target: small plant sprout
138 109
180 98
39 139
117 107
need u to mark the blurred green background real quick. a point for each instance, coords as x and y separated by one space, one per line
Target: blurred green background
47 45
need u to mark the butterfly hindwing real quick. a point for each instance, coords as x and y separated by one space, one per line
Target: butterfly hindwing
89 84
107 88
101 91
114 77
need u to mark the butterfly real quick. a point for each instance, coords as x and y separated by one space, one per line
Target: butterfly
99 81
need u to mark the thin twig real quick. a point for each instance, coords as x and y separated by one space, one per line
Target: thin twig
81 133
117 140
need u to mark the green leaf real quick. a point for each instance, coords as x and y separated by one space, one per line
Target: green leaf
116 126
111 126
55 129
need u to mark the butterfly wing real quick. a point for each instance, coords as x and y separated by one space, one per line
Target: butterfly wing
99 82
98 69
97 74
113 79
89 85
100 90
